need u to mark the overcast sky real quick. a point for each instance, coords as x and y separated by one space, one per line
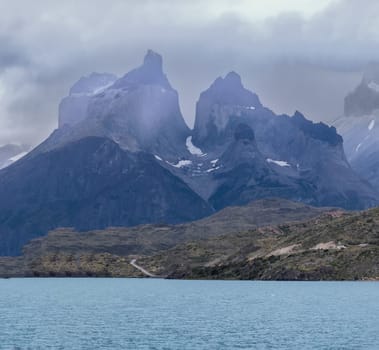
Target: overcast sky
296 54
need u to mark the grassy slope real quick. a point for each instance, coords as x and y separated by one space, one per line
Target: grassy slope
331 247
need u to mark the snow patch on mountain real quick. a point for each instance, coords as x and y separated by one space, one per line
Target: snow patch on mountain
361 143
192 148
13 159
281 163
18 156
212 169
101 89
182 163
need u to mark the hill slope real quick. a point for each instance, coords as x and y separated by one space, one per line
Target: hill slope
65 246
335 246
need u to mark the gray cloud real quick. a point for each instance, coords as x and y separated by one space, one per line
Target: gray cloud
292 59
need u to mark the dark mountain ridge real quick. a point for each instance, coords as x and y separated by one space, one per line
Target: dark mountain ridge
88 184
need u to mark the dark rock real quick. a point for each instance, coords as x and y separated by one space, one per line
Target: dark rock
89 184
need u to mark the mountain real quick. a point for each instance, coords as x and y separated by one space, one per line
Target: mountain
51 255
359 126
89 184
11 153
364 100
123 156
225 97
139 111
275 155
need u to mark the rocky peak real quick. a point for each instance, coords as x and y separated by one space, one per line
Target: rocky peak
153 61
230 90
231 81
233 78
149 73
225 98
139 111
364 100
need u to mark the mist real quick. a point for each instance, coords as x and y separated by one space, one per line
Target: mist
296 55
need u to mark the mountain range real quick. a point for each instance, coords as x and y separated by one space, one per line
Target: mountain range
123 155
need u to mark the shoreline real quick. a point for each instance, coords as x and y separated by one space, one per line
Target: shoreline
188 279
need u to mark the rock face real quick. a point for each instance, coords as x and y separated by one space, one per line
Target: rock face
88 184
359 126
139 111
225 97
245 174
288 157
123 155
11 153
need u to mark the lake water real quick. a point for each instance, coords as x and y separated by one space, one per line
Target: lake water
170 314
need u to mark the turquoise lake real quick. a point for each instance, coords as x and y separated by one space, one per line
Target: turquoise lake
171 314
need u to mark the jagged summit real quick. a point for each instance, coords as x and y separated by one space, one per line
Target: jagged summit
364 100
153 61
319 131
226 97
149 73
139 111
230 90
233 79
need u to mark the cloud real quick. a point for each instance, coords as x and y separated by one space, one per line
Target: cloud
295 54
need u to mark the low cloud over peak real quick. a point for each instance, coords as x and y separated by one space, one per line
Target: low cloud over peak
294 54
